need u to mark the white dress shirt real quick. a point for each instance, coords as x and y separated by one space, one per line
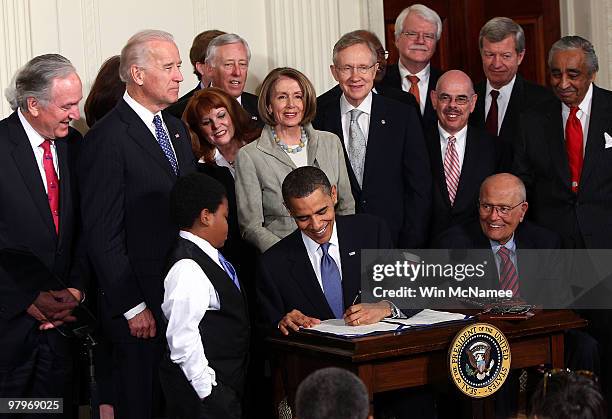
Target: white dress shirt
423 83
502 100
583 114
147 118
35 142
364 119
188 294
315 253
460 140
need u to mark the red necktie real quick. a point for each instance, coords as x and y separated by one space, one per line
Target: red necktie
52 182
414 88
573 145
492 116
508 277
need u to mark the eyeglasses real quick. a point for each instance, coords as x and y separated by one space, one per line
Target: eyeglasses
348 69
460 100
413 36
566 371
501 209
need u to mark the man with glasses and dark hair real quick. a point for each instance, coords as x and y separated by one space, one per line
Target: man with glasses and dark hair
461 156
417 32
383 140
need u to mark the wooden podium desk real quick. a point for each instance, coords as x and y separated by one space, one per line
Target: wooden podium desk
413 357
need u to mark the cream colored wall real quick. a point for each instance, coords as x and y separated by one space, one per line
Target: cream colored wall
591 20
296 33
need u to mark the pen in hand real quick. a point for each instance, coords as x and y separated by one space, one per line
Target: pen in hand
356 297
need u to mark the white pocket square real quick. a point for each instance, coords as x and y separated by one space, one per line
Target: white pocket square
608 140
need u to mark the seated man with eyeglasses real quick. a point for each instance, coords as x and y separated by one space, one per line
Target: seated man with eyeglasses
460 156
502 227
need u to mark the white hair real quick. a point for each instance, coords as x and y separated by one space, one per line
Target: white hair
225 39
423 11
135 51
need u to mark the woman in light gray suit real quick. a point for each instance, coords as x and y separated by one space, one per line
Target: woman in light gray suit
287 104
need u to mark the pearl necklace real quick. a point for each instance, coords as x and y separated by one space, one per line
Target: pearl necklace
292 149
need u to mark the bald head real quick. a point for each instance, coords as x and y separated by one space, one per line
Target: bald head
455 77
507 183
502 206
454 100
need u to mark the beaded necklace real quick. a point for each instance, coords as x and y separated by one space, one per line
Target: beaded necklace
292 149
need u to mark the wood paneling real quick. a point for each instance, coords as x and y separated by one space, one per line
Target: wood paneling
462 20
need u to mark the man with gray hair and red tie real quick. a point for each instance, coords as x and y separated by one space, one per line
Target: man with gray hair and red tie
417 32
38 218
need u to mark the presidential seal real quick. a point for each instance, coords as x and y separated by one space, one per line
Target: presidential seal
479 360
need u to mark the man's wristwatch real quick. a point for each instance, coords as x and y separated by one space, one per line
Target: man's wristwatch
395 312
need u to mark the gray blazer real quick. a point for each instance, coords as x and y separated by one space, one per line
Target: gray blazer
261 167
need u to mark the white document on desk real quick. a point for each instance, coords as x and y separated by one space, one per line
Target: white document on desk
423 318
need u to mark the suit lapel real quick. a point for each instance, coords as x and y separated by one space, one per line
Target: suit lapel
27 166
393 78
350 258
467 177
431 85
141 134
312 145
174 130
479 116
552 127
514 106
304 277
437 163
65 205
268 146
375 137
598 123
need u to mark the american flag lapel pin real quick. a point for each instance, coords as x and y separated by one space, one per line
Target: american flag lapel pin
351 253
177 135
382 121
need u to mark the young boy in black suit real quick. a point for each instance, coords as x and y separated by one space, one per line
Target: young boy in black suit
203 374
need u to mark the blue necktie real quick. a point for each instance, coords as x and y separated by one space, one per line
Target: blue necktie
229 269
164 143
332 285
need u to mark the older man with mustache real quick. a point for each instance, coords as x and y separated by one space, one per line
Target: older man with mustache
417 32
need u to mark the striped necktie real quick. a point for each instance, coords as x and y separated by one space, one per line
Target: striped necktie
451 169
